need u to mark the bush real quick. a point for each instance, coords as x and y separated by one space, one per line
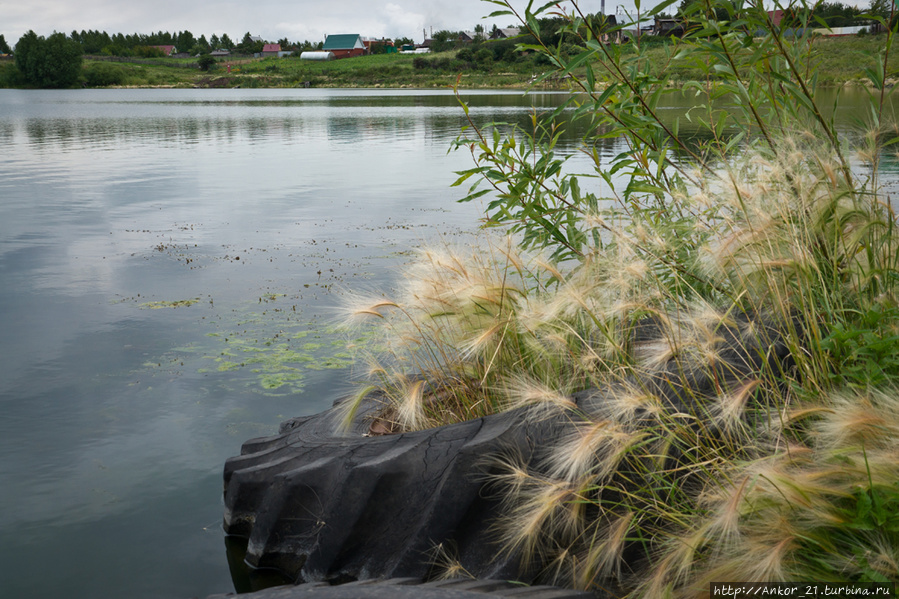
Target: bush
484 57
205 62
465 54
148 52
103 74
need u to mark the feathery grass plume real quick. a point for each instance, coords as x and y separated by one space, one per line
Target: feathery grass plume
591 449
547 516
410 413
543 400
506 473
824 510
729 408
870 421
452 324
627 403
604 556
445 565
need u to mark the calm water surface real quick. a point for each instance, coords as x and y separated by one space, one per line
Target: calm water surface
169 265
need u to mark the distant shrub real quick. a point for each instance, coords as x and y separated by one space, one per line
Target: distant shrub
484 56
437 64
205 62
148 52
465 54
103 74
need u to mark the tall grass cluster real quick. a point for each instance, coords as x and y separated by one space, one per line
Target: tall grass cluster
716 318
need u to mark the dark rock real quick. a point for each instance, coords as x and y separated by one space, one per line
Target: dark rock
318 505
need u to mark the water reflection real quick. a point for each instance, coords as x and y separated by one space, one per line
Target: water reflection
105 118
258 208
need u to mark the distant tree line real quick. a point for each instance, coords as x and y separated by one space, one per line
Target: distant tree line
483 52
446 39
830 14
141 44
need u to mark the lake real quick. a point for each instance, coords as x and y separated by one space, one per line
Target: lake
171 261
170 264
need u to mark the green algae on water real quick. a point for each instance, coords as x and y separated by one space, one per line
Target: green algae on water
169 304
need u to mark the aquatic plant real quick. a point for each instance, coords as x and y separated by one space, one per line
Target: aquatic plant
715 317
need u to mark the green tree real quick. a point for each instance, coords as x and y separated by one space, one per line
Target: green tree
49 62
835 14
695 10
881 8
444 40
248 46
226 42
4 47
205 62
184 41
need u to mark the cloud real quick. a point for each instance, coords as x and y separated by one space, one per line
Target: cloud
298 20
400 20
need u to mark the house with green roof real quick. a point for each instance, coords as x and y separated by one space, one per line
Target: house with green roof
344 45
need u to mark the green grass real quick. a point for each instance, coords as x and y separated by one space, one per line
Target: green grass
835 60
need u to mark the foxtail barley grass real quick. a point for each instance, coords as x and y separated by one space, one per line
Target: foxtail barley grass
721 439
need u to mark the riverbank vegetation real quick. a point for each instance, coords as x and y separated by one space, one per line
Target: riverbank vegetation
838 60
129 61
724 306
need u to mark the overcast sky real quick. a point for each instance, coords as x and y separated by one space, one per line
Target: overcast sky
297 20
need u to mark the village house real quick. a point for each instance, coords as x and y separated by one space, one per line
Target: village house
271 50
379 46
344 45
501 34
167 50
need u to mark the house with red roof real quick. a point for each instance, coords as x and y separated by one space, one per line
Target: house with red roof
167 50
271 49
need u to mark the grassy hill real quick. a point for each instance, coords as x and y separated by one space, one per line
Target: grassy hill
839 61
